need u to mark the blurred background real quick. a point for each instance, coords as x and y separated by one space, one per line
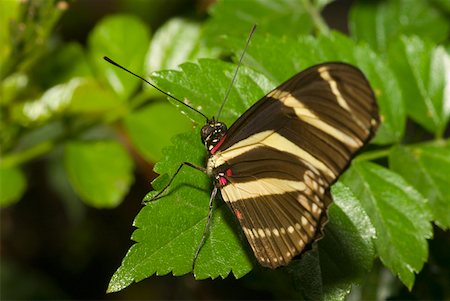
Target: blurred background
59 239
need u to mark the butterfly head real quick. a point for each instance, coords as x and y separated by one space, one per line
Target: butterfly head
212 132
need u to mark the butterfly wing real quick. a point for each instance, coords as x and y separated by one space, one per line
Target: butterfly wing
278 160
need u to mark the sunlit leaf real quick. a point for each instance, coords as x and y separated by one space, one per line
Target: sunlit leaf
176 42
273 17
381 22
427 167
400 215
344 255
124 39
100 171
425 72
298 54
51 104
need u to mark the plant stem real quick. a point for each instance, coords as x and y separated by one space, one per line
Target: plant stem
19 158
373 155
319 23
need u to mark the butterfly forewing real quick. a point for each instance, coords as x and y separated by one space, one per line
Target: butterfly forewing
277 161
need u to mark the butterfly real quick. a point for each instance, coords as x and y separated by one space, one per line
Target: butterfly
275 165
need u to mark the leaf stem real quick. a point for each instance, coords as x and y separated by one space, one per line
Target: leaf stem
319 23
373 155
40 149
19 158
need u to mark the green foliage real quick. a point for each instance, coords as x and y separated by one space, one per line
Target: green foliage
174 251
12 185
126 39
399 214
380 23
423 67
101 171
145 132
430 175
66 95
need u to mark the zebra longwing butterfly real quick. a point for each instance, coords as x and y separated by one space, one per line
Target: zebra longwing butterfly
274 166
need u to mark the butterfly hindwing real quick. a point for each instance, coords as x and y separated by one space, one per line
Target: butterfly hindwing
280 157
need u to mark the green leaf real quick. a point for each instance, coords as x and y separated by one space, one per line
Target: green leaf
12 185
347 250
427 168
61 65
170 228
298 54
151 128
124 39
101 172
79 95
51 104
166 241
204 86
399 214
90 97
273 17
344 255
12 87
381 22
10 12
425 72
443 5
177 41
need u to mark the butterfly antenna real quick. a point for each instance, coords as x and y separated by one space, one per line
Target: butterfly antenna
237 68
165 93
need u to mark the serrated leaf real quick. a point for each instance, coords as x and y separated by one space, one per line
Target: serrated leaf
204 86
347 251
12 185
124 39
381 22
275 17
427 168
176 42
146 130
100 172
343 256
189 193
298 54
399 214
170 229
166 233
425 72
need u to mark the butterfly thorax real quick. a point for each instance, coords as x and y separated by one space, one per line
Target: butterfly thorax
212 134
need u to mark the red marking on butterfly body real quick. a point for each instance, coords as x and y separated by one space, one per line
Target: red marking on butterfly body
215 148
222 181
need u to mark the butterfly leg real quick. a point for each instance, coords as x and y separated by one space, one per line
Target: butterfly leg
208 222
202 169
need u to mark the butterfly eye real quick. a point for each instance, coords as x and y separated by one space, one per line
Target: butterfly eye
220 127
206 132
